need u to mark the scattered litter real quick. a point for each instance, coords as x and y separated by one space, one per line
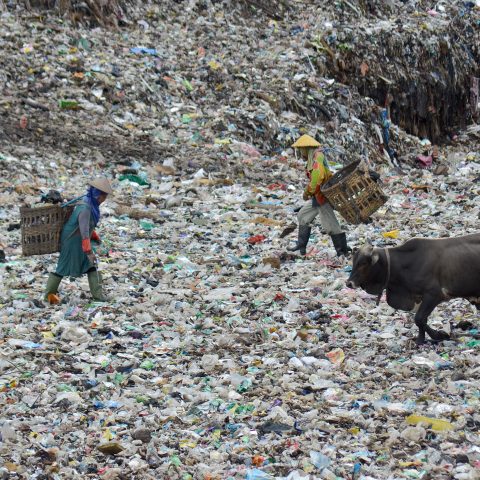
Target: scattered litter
220 355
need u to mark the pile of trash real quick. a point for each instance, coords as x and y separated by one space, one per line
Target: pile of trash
219 354
225 88
425 58
222 356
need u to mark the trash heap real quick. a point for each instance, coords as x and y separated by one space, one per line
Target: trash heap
219 356
425 58
158 88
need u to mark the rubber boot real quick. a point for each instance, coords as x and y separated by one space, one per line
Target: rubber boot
340 243
95 284
303 237
52 288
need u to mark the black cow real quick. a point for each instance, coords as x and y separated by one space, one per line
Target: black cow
421 273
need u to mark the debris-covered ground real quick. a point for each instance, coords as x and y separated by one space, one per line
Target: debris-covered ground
220 356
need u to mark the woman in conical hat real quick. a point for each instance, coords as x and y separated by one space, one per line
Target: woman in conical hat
76 254
318 174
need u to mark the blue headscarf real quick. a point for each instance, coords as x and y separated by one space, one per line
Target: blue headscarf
91 198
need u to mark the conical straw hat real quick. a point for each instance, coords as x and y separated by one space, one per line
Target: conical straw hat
306 141
102 184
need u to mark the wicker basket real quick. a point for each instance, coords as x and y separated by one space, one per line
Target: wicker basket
354 194
42 227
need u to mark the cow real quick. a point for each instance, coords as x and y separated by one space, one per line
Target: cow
419 275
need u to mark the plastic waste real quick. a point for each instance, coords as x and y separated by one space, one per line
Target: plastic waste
319 460
391 234
135 179
255 239
433 423
7 432
256 474
336 356
143 50
14 342
214 356
69 104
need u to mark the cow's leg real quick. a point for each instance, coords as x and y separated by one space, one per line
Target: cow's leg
437 335
426 308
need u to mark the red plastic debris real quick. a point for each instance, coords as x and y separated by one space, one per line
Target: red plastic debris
256 239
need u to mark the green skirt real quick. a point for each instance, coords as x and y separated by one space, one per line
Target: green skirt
72 261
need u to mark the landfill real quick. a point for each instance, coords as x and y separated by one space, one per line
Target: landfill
220 355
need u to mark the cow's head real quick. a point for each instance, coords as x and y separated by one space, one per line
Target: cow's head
368 271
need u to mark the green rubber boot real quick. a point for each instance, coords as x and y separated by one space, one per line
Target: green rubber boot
52 285
95 284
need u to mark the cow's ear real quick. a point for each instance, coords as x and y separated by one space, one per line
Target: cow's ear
355 250
375 257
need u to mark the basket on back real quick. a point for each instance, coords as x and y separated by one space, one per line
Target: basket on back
41 228
354 194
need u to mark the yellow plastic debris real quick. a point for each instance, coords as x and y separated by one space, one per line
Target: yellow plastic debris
434 423
27 48
214 65
187 444
391 234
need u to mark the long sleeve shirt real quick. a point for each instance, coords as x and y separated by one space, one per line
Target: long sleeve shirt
84 223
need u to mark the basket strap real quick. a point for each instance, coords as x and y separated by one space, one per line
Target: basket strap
72 201
77 230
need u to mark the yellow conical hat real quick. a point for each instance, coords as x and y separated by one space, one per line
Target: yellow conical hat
306 141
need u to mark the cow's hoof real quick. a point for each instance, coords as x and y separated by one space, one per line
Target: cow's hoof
439 336
420 341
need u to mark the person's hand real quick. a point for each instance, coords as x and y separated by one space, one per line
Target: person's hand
306 195
96 238
92 259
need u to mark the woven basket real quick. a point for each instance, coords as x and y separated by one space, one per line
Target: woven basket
42 227
354 194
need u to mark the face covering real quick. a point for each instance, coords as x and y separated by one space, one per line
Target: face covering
91 199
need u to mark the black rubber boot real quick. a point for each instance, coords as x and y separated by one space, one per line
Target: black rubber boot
303 238
340 243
